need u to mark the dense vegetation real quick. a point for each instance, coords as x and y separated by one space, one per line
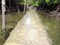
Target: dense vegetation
49 5
14 5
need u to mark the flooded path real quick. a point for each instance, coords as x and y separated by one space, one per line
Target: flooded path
29 31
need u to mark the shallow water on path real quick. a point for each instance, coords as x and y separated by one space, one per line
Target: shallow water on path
29 31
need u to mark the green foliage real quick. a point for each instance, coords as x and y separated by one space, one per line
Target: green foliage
37 2
47 1
30 2
56 1
52 1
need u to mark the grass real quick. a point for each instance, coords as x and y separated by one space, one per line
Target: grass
53 27
11 21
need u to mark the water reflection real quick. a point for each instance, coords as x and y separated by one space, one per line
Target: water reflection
28 20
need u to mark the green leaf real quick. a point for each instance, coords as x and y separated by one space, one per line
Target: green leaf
47 1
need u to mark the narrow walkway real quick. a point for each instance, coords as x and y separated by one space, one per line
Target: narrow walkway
29 31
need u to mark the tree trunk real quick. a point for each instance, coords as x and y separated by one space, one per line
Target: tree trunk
24 5
3 18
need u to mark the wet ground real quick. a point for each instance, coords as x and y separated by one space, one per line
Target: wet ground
29 31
